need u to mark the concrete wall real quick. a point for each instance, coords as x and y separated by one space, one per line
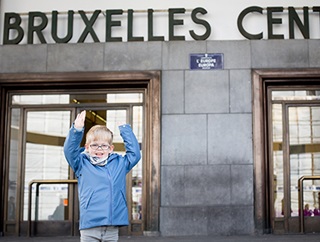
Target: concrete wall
207 183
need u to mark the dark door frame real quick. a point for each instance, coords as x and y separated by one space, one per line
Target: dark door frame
261 80
150 81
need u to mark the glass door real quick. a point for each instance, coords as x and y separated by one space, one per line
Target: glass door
43 159
37 132
35 152
304 160
295 146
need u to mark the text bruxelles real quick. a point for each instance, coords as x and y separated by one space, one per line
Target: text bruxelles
13 23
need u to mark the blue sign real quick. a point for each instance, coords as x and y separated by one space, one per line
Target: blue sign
206 61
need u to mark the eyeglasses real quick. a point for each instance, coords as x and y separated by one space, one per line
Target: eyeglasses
96 146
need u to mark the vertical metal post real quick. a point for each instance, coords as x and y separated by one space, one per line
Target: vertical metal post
29 208
301 213
36 210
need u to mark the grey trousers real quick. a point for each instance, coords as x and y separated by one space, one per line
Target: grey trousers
100 234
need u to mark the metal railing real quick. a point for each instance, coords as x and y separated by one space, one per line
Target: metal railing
38 183
300 189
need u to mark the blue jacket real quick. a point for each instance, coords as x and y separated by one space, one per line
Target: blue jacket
102 189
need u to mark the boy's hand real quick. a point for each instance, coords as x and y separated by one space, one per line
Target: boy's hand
79 121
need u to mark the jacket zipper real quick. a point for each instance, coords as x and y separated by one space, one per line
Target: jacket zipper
111 194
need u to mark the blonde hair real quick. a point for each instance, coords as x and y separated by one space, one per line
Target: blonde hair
99 132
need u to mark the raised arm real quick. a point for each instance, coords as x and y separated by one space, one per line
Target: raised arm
72 147
132 147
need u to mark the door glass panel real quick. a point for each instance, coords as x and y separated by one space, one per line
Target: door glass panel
296 95
304 135
39 99
13 164
125 98
295 146
137 170
76 98
114 119
107 98
278 183
44 159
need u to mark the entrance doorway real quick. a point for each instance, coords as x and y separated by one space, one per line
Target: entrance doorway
287 151
40 197
295 153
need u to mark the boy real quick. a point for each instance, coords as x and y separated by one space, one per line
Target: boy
101 178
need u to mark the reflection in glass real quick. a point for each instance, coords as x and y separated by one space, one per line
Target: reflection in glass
277 160
45 160
137 122
137 170
13 164
125 98
114 119
296 95
304 151
29 99
304 130
39 99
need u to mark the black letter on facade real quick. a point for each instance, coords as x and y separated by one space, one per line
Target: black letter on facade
12 26
202 22
89 23
37 29
150 28
55 27
111 23
316 9
240 23
293 17
173 22
272 21
130 27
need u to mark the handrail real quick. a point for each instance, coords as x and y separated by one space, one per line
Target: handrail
40 182
300 189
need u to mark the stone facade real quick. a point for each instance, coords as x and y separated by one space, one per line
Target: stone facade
207 166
